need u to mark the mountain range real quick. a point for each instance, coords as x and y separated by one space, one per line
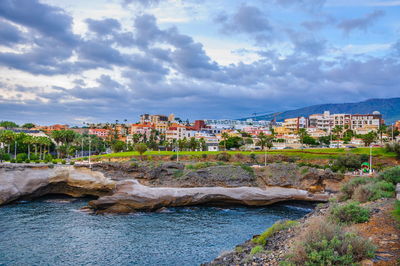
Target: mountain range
389 108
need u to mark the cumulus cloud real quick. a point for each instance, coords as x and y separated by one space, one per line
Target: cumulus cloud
248 20
118 68
362 24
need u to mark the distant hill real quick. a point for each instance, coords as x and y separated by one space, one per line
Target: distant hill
389 108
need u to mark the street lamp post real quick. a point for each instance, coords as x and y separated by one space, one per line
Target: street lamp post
370 159
177 153
90 142
265 157
15 150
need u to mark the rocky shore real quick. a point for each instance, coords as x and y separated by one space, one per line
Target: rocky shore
381 229
122 188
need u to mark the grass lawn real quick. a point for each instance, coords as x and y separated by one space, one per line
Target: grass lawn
304 154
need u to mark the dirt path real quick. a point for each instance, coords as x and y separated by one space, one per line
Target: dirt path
384 232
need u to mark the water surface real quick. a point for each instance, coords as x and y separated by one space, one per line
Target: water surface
54 232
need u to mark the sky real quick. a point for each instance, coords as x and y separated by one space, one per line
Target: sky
77 61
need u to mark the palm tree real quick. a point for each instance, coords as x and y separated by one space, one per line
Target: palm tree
28 140
262 140
381 130
225 137
7 137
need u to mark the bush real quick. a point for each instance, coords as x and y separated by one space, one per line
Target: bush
12 161
325 243
239 156
276 227
20 161
22 156
350 213
253 156
391 175
54 161
63 161
37 161
71 162
204 156
173 157
48 158
34 157
223 156
348 162
394 147
5 156
27 161
365 189
256 249
248 169
373 191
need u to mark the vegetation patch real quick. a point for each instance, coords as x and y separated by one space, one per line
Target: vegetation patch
278 226
365 189
350 213
326 243
256 249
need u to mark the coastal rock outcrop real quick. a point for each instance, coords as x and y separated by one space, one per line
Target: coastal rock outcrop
27 182
131 196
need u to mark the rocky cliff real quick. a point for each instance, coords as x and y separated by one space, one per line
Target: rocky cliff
119 190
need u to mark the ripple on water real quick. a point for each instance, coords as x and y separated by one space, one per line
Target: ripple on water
52 232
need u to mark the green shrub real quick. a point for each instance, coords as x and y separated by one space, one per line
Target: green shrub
204 156
12 161
349 213
348 188
173 157
37 161
373 191
51 165
34 157
22 156
20 161
326 243
253 156
365 189
256 249
348 162
63 161
221 163
223 156
178 174
48 158
391 175
248 169
276 227
71 162
54 161
189 166
27 161
5 157
394 147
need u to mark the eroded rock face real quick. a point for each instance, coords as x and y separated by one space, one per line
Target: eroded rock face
131 196
291 175
24 182
128 195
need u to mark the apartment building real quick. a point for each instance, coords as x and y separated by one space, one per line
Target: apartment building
100 132
360 121
177 131
294 124
320 121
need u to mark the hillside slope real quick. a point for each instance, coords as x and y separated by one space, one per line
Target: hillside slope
389 108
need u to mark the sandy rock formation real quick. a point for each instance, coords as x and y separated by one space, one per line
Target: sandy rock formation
26 182
131 196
